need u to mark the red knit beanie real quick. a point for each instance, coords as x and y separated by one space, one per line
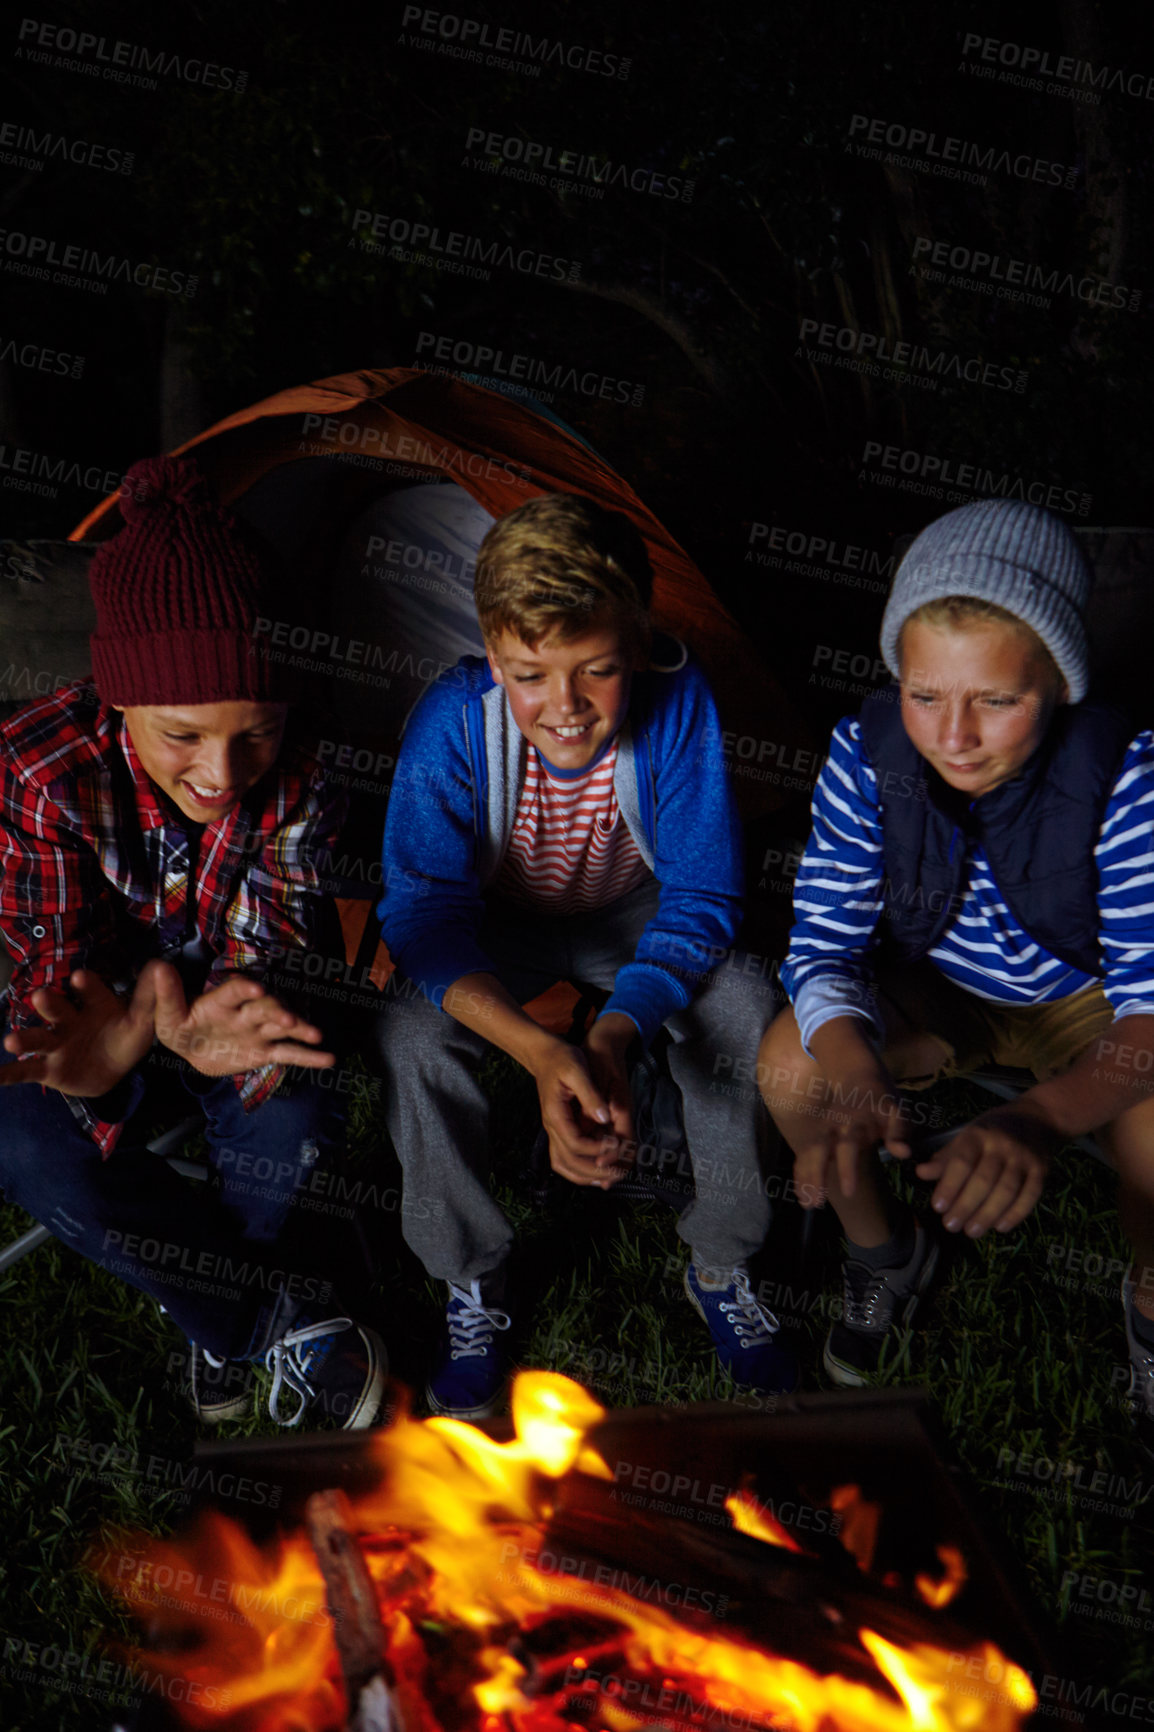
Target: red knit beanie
178 592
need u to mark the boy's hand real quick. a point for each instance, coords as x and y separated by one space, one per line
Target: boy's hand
863 1108
237 1027
579 1121
992 1173
90 1041
605 1047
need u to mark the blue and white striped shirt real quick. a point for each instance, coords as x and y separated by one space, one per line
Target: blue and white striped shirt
838 900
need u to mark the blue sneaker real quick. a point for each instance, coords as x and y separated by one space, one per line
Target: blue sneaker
470 1380
335 1367
744 1333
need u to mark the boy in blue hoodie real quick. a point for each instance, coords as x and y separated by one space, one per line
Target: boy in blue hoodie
561 810
977 889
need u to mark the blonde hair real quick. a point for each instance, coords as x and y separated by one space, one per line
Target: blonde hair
960 611
558 566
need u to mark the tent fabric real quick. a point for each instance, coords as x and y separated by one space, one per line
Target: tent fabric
402 425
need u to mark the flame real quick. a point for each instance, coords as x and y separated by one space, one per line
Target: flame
456 1539
750 1517
860 1520
271 1638
940 1593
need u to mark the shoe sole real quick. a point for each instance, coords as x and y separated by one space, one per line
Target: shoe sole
849 1376
369 1404
211 1412
468 1414
239 1408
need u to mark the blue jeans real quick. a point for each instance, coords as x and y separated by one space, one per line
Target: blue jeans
216 1258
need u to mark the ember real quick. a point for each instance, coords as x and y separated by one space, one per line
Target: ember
499 1587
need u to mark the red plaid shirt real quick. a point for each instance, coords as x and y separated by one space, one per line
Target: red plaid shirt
94 864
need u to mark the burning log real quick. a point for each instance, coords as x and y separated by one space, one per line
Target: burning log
352 1603
513 1586
792 1603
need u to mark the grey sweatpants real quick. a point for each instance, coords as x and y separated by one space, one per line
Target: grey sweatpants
438 1115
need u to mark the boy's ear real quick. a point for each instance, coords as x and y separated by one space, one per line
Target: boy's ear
492 661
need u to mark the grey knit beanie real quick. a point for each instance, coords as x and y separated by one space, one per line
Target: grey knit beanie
1005 551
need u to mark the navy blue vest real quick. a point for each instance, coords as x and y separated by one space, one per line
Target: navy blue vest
1038 831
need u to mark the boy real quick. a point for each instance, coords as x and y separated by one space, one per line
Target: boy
996 832
155 832
561 810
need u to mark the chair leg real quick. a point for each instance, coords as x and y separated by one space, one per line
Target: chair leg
161 1145
20 1247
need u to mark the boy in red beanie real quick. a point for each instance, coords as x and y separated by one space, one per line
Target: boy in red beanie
157 824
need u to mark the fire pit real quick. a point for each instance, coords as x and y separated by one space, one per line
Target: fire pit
694 1568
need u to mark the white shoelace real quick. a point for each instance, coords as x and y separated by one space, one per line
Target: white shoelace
471 1328
864 1295
753 1326
209 1359
289 1366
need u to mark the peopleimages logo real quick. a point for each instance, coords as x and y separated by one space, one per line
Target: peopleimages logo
538 162
121 62
476 40
38 359
452 250
42 259
25 148
1013 279
1034 66
526 373
954 158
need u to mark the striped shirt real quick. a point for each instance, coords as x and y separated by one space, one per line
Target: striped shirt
838 900
570 850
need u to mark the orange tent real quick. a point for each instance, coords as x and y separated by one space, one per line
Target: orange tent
376 431
402 423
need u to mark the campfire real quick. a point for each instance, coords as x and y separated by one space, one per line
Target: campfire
528 1585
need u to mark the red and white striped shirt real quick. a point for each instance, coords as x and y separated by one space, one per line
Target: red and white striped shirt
570 849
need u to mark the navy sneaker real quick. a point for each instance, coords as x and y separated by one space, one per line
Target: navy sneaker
217 1389
470 1379
877 1303
334 1367
744 1333
1140 1396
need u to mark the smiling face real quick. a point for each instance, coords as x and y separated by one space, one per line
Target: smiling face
567 697
976 699
206 756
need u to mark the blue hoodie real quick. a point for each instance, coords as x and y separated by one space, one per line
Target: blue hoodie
454 800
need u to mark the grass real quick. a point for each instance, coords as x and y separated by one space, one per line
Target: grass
1015 1360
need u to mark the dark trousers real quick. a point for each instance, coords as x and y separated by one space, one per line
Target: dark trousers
217 1257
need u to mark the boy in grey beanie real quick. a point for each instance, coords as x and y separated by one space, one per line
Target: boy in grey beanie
976 890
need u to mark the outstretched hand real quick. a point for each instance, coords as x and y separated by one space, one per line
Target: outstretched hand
89 1040
993 1172
862 1109
236 1027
